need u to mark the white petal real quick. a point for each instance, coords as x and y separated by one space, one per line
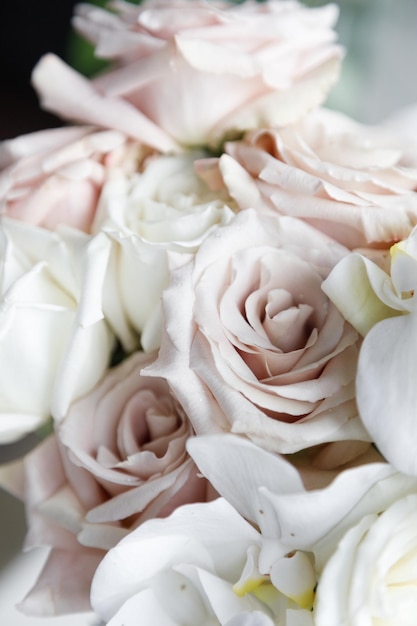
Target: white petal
189 535
293 575
386 389
237 468
254 618
144 604
362 292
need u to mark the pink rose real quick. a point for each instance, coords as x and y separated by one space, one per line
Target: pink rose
355 183
252 343
55 176
171 60
117 459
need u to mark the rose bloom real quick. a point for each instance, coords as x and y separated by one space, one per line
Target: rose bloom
170 60
54 341
356 183
252 344
55 176
165 208
117 459
370 578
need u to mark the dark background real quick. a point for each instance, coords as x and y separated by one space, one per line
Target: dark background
28 29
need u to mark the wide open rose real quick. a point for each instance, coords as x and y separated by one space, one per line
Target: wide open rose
252 343
171 61
164 208
117 459
355 183
55 176
54 341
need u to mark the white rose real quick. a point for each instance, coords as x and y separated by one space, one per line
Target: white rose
54 341
371 577
165 209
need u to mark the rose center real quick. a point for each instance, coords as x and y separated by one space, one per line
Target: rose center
288 325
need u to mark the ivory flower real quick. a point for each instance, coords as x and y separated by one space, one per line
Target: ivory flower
53 335
156 219
361 527
370 578
182 570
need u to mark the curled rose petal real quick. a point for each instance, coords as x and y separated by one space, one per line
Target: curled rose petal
356 183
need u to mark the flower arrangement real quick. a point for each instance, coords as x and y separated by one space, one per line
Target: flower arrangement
208 311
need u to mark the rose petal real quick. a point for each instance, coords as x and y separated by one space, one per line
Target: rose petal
65 92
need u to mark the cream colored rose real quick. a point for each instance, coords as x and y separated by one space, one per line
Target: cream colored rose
253 345
54 341
371 577
354 182
156 219
191 74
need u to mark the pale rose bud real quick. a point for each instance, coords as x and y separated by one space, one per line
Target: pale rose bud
156 219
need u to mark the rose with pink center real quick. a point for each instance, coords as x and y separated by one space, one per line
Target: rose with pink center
252 343
117 459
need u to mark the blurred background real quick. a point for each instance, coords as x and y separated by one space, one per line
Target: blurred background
378 72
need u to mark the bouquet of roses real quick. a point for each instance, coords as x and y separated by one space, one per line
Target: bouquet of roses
208 310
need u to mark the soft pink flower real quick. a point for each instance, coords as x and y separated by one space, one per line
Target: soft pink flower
197 71
356 183
118 459
252 343
55 176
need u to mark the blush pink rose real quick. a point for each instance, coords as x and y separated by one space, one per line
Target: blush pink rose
118 458
356 183
55 176
170 60
252 343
